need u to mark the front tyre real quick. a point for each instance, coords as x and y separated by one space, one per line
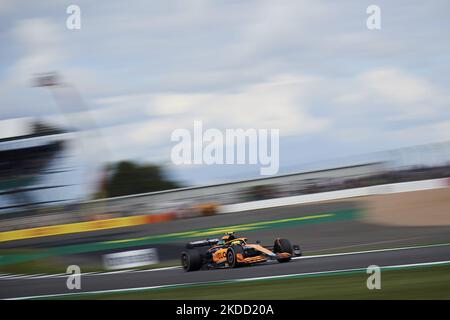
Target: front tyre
281 246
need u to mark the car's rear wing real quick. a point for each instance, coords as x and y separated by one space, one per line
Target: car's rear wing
202 243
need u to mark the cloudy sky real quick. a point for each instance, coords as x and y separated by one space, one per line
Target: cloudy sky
309 68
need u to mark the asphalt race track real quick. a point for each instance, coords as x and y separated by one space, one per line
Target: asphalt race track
332 236
32 287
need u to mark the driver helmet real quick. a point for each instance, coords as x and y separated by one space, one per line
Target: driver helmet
228 237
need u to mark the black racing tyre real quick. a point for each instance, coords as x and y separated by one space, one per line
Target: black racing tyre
283 245
231 255
191 260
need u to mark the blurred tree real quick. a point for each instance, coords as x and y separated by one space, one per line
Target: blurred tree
126 177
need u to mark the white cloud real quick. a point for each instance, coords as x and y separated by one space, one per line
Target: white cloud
276 103
398 86
422 134
5 6
393 93
40 42
134 124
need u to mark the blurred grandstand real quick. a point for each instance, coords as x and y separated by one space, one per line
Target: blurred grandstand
33 168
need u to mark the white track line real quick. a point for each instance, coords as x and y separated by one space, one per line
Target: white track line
23 276
45 275
159 269
371 251
109 272
446 262
10 276
62 275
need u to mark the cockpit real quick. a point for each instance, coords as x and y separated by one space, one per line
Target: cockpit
240 241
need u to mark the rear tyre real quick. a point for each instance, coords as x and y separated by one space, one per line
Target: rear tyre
283 245
231 255
191 260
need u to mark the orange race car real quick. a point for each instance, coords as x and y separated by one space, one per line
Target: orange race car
232 251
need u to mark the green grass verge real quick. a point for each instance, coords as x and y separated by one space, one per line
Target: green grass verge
414 283
52 265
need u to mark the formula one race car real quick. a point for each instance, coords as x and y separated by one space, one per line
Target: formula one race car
232 251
